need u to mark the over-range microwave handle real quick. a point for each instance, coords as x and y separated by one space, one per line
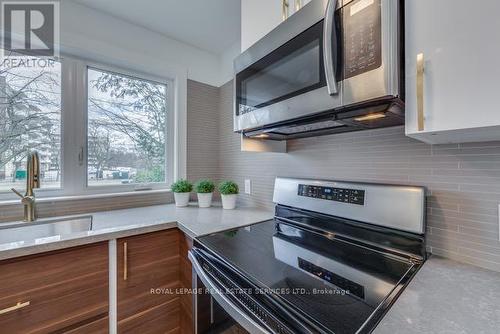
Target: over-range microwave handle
330 47
235 312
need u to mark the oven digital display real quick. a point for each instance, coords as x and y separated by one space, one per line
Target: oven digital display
351 196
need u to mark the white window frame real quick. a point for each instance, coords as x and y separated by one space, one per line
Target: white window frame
74 97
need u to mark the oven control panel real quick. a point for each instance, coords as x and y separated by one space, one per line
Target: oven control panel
351 196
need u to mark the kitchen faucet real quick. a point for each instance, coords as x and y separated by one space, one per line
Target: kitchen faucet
32 182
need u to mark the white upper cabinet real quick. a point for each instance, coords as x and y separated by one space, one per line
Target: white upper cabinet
259 17
460 43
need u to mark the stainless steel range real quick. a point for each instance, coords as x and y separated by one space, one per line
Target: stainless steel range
333 260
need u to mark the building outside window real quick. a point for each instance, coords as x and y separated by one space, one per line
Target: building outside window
126 129
30 119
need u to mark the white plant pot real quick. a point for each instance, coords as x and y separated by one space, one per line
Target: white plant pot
181 199
205 200
229 201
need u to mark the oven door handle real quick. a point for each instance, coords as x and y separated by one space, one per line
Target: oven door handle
236 313
330 47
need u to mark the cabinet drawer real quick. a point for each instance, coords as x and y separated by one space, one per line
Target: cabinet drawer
57 290
162 319
145 262
100 326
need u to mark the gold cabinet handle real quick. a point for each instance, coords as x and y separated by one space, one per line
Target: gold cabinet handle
298 5
420 91
125 261
284 9
18 306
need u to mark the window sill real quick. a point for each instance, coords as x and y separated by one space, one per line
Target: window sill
88 197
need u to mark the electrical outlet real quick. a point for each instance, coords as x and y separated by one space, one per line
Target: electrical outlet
248 187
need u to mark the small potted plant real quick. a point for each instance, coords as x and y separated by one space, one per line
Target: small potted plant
229 191
205 190
181 190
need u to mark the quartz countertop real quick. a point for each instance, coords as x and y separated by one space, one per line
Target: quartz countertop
446 297
114 224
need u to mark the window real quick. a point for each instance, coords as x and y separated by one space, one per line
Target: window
126 129
98 129
30 119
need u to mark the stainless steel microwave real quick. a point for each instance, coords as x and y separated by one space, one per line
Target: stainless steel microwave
334 66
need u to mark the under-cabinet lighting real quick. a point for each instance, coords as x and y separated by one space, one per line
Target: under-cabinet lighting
261 136
369 117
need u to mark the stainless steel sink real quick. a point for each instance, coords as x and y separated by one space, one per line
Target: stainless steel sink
44 230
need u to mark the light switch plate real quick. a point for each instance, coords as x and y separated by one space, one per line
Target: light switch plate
248 187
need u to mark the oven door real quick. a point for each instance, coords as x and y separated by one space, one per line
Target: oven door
296 79
216 314
225 301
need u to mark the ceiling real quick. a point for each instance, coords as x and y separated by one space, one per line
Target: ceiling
212 25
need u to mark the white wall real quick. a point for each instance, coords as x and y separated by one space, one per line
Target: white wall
258 17
85 31
227 58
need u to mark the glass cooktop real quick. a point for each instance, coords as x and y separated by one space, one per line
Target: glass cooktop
334 283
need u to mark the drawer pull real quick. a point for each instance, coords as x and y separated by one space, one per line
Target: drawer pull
125 261
420 91
18 306
298 5
285 7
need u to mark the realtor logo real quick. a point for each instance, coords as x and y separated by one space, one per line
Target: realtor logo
31 27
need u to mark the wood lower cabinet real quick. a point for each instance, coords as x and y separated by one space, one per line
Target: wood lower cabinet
163 318
99 326
67 291
57 292
149 282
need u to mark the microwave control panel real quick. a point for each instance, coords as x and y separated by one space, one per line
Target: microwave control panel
362 26
343 195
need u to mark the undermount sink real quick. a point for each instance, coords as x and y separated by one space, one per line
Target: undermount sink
44 230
